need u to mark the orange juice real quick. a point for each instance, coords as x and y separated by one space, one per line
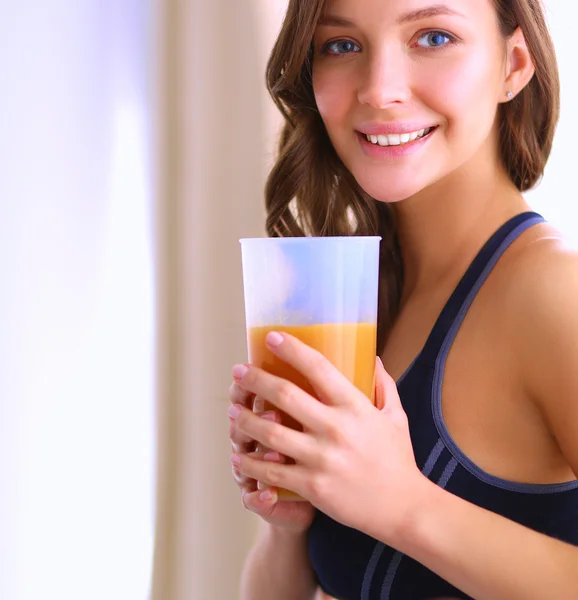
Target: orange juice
351 347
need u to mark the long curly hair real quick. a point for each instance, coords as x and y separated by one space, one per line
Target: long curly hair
310 192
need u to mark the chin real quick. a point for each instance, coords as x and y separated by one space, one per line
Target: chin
391 192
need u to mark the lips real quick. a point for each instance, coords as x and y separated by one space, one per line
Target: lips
397 139
397 149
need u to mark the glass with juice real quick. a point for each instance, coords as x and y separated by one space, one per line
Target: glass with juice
322 290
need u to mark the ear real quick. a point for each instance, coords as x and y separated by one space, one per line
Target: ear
519 66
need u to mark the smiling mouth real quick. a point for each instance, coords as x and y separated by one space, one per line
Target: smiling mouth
398 139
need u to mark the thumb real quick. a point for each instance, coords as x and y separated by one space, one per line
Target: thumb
386 395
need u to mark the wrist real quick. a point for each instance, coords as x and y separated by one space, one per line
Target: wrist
404 534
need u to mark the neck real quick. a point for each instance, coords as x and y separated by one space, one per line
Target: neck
442 228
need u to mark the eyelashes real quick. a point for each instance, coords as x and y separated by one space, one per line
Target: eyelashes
436 34
344 47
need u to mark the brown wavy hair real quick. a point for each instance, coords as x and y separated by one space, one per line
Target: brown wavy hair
310 192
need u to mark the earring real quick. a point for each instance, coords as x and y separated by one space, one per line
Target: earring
510 95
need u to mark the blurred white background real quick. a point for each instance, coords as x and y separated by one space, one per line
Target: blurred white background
556 198
77 345
80 282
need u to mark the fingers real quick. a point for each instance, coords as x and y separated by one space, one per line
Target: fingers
286 396
240 441
329 383
253 497
272 456
261 502
271 473
239 395
290 515
386 394
248 484
296 444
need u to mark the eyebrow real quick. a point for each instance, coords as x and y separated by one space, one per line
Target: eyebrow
416 15
430 11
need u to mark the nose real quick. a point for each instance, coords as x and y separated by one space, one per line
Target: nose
384 80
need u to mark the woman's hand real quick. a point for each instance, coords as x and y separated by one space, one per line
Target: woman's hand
354 461
292 516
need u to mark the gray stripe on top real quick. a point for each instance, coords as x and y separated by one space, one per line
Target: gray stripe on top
448 472
396 560
433 458
380 546
370 570
469 465
390 575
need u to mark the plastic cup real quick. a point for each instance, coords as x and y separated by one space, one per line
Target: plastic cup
322 290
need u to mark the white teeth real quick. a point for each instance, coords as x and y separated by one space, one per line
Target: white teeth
395 139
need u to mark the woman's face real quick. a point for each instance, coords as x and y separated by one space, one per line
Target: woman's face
394 69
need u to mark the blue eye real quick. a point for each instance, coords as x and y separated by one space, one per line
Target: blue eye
340 47
436 39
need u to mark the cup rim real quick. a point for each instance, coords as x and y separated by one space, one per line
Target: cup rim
315 239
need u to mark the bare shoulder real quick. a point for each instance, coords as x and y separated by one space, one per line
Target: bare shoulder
540 299
542 286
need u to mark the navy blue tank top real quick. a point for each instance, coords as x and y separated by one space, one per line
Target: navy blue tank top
349 564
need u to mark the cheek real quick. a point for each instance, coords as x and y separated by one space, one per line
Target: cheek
332 95
465 92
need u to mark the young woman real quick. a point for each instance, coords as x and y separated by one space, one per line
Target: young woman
422 123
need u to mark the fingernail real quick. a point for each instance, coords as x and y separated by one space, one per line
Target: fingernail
270 416
234 411
267 496
236 459
239 371
272 456
274 339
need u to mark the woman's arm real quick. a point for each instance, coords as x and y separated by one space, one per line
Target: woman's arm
375 486
278 567
484 554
